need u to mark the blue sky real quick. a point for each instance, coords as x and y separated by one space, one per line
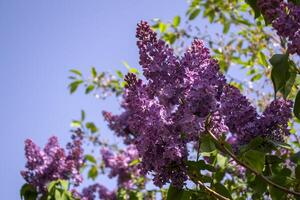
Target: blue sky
40 41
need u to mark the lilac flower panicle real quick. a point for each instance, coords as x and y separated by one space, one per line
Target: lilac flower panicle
169 109
274 120
90 192
285 19
119 165
240 115
52 163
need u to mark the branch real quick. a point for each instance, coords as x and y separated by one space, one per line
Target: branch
266 179
210 191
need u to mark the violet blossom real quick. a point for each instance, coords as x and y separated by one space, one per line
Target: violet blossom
119 165
169 110
52 163
285 19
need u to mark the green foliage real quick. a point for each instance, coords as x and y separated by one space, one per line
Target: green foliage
58 190
207 144
91 126
245 43
93 172
297 106
253 4
74 85
28 192
255 159
177 194
280 71
90 158
176 21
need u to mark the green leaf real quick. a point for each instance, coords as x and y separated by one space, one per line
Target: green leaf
134 162
207 145
64 184
177 194
136 195
273 159
133 70
170 37
75 71
275 193
121 194
89 89
75 124
119 73
176 21
253 4
90 158
74 85
256 77
297 106
297 2
297 172
91 126
51 186
221 160
255 159
162 27
200 165
254 144
226 27
219 175
28 192
280 71
262 60
296 158
194 14
259 185
93 172
58 195
221 189
82 115
94 72
289 85
130 69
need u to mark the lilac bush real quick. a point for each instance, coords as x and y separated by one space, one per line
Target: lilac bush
170 109
182 101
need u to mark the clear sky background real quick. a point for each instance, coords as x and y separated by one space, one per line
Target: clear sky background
40 40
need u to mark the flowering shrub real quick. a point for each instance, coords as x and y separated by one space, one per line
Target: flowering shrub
171 109
185 127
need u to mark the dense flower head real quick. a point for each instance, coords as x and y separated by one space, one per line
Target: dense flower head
119 165
273 122
171 107
90 192
240 115
52 163
285 19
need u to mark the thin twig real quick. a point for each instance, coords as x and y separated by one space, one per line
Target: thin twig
226 150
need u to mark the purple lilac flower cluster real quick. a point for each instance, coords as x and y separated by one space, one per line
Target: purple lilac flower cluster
90 192
52 163
169 110
119 165
285 18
